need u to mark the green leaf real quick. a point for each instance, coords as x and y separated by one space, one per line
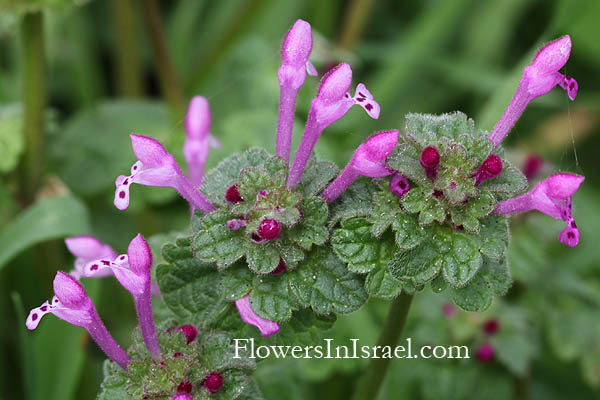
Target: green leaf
236 282
215 242
463 259
354 202
312 229
324 283
405 160
271 297
316 176
11 137
190 288
494 237
355 245
227 172
409 233
252 181
421 200
385 207
454 174
381 283
511 180
51 218
277 170
468 215
217 353
262 257
476 296
417 265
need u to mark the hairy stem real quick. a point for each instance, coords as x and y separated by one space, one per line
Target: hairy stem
369 384
34 103
128 66
169 83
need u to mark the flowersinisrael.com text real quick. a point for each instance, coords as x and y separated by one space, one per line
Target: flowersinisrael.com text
353 350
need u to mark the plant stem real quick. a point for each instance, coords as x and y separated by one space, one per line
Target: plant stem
369 384
34 103
170 86
356 15
128 66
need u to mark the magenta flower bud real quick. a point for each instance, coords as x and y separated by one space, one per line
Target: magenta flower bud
213 382
368 160
554 197
295 51
72 304
182 396
269 229
449 310
281 267
399 185
490 168
133 273
538 79
190 332
266 327
332 102
490 327
532 166
235 224
430 161
86 249
198 139
233 195
156 167
185 387
485 353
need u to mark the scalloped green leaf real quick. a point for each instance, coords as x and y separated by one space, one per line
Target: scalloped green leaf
463 259
324 283
421 200
381 283
454 174
494 237
468 215
316 176
356 201
511 180
262 257
409 233
355 245
215 242
405 160
236 283
312 229
227 172
476 296
252 181
385 207
271 297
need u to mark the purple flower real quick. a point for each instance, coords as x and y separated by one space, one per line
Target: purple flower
538 79
157 167
554 197
295 51
133 273
266 327
490 168
485 353
399 185
368 160
330 104
198 139
72 304
86 249
182 396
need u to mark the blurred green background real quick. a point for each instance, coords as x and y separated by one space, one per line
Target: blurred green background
77 77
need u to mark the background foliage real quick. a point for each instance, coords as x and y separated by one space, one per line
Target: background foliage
430 56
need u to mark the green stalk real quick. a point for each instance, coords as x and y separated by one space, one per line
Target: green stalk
128 66
170 86
34 103
369 384
357 14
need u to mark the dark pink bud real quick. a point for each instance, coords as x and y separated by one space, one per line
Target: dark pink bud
233 195
269 229
399 185
190 331
485 353
213 382
491 167
532 166
280 268
449 310
490 326
185 387
430 160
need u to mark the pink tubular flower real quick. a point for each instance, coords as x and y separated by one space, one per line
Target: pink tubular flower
198 139
133 272
266 327
538 79
72 304
182 396
331 103
157 167
295 51
368 160
553 196
86 249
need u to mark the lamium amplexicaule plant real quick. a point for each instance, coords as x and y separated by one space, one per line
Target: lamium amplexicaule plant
280 247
